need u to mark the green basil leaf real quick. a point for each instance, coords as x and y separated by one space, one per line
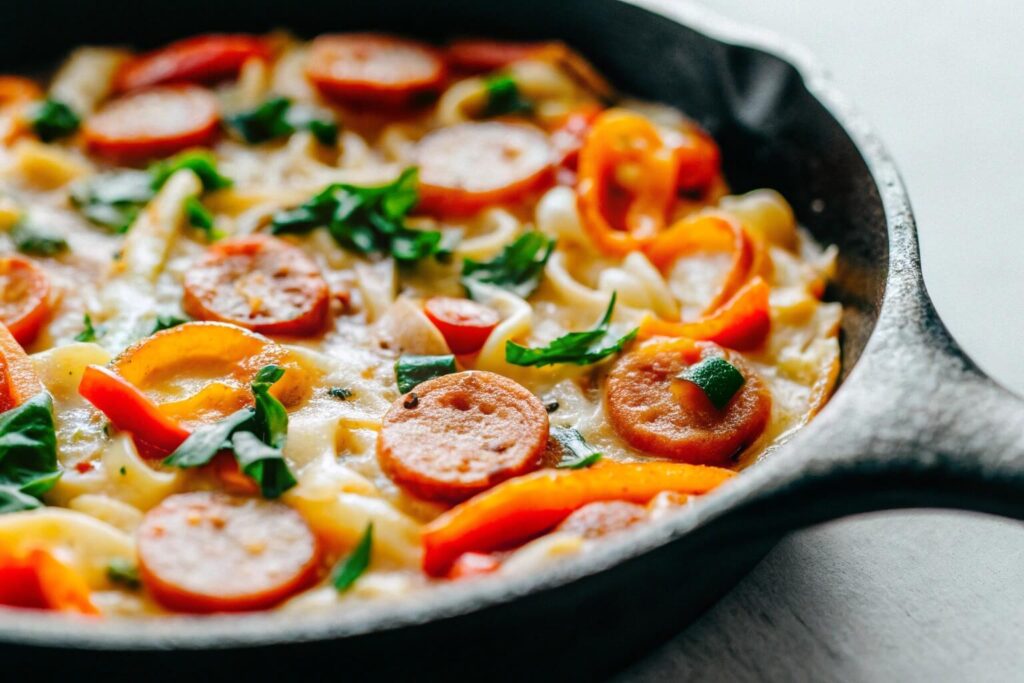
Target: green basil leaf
367 220
88 333
353 566
124 572
265 464
265 122
202 163
718 379
518 268
207 440
113 200
199 217
576 452
32 238
581 348
411 371
52 119
28 453
280 117
503 97
271 419
166 322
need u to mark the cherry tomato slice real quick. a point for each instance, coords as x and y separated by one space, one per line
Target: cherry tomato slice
371 68
200 59
469 166
464 324
24 298
153 123
260 283
479 55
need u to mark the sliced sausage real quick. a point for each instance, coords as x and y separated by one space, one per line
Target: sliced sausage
476 55
210 552
655 412
602 518
370 68
199 59
153 123
260 283
460 434
469 166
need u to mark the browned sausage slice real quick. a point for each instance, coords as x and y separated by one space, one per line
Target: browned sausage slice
655 412
460 434
210 552
602 518
468 166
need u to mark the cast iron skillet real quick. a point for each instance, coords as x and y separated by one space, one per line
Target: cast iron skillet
914 423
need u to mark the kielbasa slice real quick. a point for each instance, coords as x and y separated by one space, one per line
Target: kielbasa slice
657 413
211 552
456 435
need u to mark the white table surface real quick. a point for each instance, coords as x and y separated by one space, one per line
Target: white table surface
920 596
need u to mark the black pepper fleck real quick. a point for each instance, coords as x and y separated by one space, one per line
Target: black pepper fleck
411 401
551 406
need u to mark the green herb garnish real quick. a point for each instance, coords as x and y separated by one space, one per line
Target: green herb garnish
353 566
718 379
88 333
581 348
52 119
123 572
518 268
255 435
202 163
411 371
113 200
280 117
503 97
577 453
28 454
199 217
366 220
166 322
340 393
32 238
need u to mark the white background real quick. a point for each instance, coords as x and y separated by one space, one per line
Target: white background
904 596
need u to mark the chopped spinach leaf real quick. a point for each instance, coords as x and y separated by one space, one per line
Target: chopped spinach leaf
255 435
353 566
88 333
581 348
31 237
28 454
279 117
518 268
717 378
504 97
199 217
52 119
411 371
124 572
202 163
576 452
367 220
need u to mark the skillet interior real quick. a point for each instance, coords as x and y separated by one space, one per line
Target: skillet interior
774 133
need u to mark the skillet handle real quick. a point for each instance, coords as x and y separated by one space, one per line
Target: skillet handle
923 427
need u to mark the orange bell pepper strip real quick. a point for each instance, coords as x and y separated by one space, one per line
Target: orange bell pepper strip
37 580
18 379
708 232
627 182
700 160
741 323
521 508
155 434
